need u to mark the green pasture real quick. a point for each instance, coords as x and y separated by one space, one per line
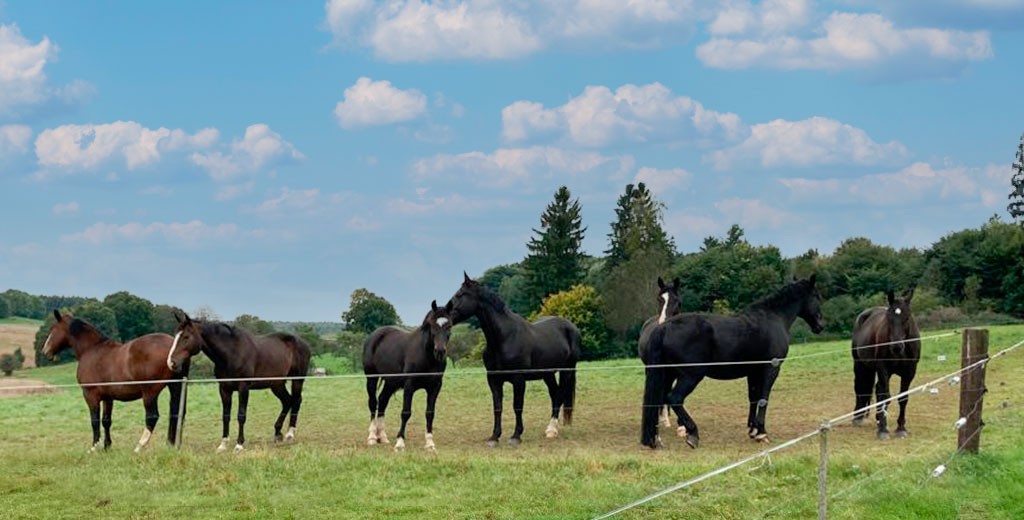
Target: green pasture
596 465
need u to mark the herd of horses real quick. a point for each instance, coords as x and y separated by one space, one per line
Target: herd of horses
679 350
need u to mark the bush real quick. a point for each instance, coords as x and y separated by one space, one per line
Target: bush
7 364
582 306
466 344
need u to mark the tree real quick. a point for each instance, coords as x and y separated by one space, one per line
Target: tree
257 326
164 319
19 358
134 315
93 312
7 364
629 295
24 304
308 334
582 306
367 311
555 262
1016 207
637 227
5 307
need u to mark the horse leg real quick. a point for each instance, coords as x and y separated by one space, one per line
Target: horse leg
243 409
901 423
518 396
863 381
771 373
407 392
225 404
663 418
685 386
108 411
556 402
286 403
882 395
390 387
149 402
754 383
371 395
496 398
432 393
172 427
94 417
293 421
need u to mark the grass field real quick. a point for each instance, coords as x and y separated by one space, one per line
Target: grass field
595 466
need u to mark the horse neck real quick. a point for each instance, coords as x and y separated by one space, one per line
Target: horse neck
213 347
495 323
88 340
786 311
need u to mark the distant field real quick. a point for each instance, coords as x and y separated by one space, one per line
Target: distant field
594 467
19 332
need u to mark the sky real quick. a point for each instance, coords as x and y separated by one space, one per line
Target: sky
269 158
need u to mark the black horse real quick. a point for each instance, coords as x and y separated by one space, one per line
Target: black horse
518 351
886 341
668 305
755 342
393 350
237 354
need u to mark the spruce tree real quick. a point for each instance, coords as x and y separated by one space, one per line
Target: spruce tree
638 227
555 262
1016 207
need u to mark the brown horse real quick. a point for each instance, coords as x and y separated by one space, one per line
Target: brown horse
267 361
102 360
886 341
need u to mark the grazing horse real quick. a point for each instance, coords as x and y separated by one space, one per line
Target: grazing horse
519 351
751 344
886 341
102 360
669 304
393 350
237 354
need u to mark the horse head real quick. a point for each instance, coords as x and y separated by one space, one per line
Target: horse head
810 305
439 323
466 300
898 318
668 299
188 341
59 337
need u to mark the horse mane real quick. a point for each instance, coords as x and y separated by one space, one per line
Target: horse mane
79 327
491 298
781 297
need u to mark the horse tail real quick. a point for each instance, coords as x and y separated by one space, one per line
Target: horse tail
654 389
567 378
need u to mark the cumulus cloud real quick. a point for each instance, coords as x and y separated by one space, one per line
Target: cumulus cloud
767 17
867 42
422 30
66 209
600 117
191 232
811 142
375 103
661 182
72 148
23 84
915 183
258 149
753 213
14 140
423 204
291 200
510 166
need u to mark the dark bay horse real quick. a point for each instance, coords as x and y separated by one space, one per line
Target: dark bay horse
519 351
238 354
758 334
393 350
668 306
103 360
886 341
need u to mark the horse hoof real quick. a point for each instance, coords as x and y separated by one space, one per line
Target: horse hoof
752 432
239 448
681 431
762 438
692 441
883 436
222 448
514 441
94 448
492 443
383 439
278 438
551 434
902 433
858 422
138 449
400 444
371 441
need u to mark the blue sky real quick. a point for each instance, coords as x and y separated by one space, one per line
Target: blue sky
270 157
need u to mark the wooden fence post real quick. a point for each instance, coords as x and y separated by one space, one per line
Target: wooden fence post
973 348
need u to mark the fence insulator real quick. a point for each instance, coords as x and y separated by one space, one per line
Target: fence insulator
933 391
955 380
960 422
942 357
938 471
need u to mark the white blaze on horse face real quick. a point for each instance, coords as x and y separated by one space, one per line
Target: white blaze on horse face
664 308
898 311
174 345
441 322
46 346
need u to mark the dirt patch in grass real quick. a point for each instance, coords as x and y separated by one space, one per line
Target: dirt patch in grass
11 387
14 336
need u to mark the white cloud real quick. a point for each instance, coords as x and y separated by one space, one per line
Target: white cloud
753 213
660 182
66 209
14 139
811 142
260 148
446 204
290 200
599 117
374 103
852 41
191 232
767 17
23 83
509 166
686 225
85 147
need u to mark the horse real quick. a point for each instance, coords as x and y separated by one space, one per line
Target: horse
102 360
886 341
518 351
251 363
669 303
393 350
751 344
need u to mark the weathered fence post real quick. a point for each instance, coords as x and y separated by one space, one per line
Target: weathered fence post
973 349
181 411
823 472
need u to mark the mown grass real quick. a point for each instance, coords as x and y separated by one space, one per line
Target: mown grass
14 320
595 466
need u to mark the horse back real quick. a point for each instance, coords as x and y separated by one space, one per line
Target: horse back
556 342
281 354
141 359
868 329
384 350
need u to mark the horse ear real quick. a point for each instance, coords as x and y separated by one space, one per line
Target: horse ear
465 277
890 296
449 306
56 315
178 317
909 295
433 305
661 283
677 283
813 278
